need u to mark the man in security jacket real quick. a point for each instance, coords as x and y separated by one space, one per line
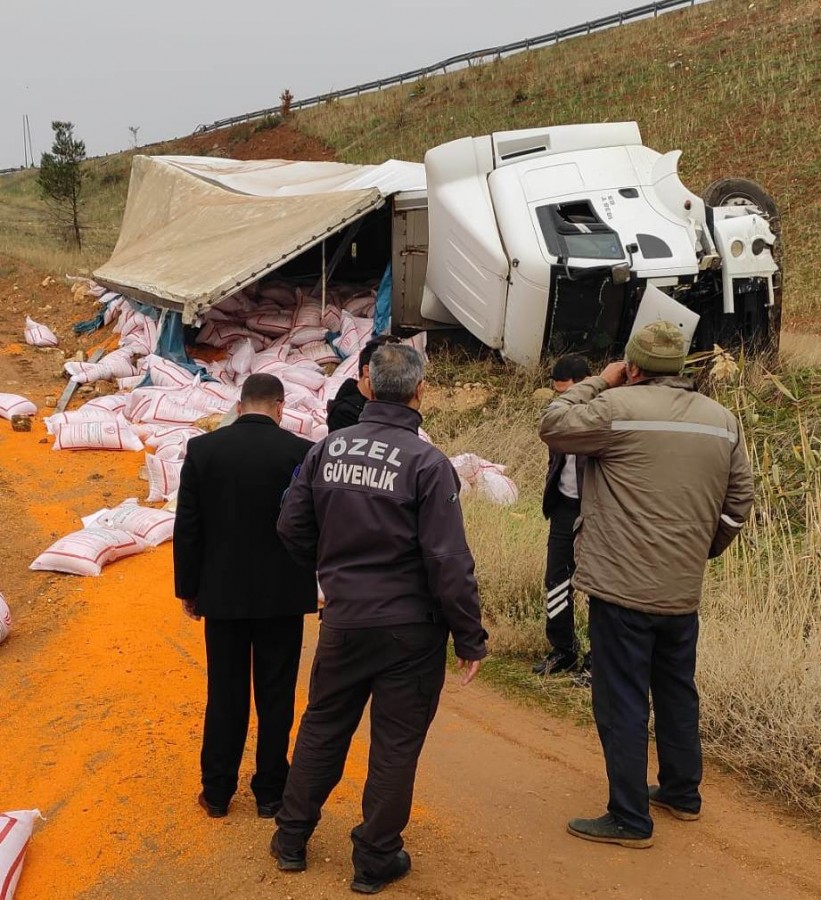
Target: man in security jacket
667 486
376 510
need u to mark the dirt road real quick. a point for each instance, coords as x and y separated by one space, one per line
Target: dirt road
101 693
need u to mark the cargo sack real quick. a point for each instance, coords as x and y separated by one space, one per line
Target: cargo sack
5 619
85 552
104 434
15 834
15 405
484 479
154 526
77 416
163 477
38 335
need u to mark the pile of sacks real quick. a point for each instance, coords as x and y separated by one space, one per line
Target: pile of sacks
273 328
160 405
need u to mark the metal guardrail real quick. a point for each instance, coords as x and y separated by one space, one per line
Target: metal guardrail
542 40
12 169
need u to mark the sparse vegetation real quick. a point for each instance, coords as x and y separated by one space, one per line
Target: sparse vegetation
286 98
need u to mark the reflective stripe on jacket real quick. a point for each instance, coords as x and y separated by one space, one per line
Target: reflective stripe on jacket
667 485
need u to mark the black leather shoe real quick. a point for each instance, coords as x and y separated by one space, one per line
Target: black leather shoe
397 868
290 860
268 810
556 661
606 830
685 815
214 811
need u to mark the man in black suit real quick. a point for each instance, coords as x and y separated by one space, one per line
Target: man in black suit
561 506
231 569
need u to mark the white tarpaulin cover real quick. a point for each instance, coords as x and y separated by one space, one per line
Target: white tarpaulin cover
197 229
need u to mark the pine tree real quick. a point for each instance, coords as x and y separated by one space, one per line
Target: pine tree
61 178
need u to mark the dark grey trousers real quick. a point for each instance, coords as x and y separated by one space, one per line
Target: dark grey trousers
401 669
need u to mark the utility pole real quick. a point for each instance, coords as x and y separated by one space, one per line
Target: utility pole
31 148
25 146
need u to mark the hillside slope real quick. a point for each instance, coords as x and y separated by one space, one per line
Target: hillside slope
735 84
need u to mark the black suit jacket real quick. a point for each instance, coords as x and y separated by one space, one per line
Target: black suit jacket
228 557
552 495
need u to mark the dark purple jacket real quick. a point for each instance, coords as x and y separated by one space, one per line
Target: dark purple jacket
376 510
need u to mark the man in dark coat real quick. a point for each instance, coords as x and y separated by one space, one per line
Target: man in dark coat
346 407
231 569
561 505
377 510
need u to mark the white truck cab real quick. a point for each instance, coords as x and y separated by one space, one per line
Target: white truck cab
545 239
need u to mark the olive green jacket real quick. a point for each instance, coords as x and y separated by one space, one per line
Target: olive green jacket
667 486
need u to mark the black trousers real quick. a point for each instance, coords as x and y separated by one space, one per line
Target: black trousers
560 622
634 654
402 670
236 648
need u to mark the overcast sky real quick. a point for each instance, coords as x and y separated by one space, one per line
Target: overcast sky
168 65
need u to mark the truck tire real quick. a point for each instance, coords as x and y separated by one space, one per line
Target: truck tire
743 192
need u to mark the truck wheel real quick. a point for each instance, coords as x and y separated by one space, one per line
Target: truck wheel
743 192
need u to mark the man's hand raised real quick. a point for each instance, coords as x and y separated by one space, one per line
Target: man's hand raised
471 667
615 374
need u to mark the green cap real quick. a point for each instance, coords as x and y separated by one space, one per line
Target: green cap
657 348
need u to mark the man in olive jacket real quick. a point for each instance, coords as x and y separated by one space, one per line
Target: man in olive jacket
667 486
231 569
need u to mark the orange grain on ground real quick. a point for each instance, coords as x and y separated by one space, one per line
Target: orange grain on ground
102 732
12 349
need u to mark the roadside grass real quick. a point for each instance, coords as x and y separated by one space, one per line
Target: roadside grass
733 84
760 650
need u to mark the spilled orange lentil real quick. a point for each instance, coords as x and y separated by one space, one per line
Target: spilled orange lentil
100 713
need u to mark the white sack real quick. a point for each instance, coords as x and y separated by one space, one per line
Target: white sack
5 619
38 335
85 552
15 405
163 477
154 526
77 416
104 434
165 373
485 479
15 833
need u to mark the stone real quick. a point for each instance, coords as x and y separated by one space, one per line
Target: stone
544 395
104 388
21 423
50 402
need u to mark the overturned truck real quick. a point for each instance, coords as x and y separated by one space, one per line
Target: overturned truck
536 241
545 239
